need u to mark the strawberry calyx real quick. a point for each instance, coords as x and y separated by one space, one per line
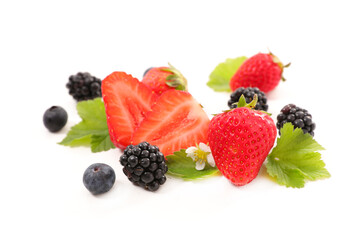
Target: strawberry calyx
251 105
242 103
176 79
281 65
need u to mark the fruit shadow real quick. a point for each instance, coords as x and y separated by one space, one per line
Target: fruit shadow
263 174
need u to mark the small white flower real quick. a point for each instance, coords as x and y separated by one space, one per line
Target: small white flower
201 154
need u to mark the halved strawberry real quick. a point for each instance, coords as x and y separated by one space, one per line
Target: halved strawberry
175 122
126 102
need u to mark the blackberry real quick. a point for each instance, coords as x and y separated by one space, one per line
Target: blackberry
83 86
99 178
144 165
248 94
299 117
55 118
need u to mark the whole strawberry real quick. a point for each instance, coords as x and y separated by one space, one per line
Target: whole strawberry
263 71
161 79
240 140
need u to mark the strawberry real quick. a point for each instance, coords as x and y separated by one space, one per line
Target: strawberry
175 122
240 140
263 71
161 79
126 102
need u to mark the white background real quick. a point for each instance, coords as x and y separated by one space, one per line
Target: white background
42 43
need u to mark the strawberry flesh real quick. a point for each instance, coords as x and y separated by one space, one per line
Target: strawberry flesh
126 103
175 122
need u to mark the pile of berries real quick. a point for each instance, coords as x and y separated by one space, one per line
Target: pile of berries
240 139
144 165
83 86
299 117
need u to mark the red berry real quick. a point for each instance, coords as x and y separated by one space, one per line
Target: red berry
126 103
240 140
263 71
177 121
161 79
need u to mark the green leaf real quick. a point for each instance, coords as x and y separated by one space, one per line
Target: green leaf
181 166
92 130
220 77
101 143
295 158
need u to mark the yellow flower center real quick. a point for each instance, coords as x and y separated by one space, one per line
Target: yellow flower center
201 155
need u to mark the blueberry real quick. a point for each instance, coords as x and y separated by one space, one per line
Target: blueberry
99 178
55 118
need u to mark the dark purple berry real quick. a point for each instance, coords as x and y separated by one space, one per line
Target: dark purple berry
83 86
55 118
144 165
99 178
299 117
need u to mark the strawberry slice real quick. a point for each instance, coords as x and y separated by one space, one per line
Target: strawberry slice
126 103
175 122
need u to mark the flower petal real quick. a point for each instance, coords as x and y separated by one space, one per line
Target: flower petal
191 150
204 147
191 155
200 165
210 160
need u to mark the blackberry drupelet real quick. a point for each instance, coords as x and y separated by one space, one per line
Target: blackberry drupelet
248 94
144 165
83 86
299 117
